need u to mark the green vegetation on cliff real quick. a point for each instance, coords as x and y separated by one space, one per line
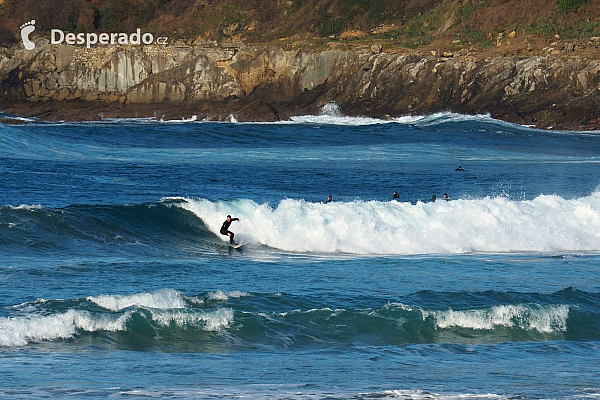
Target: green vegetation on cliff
409 23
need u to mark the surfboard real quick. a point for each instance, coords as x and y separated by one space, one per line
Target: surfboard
236 245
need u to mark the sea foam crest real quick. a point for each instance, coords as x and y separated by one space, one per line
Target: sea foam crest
219 295
499 225
331 109
331 114
544 319
447 117
423 395
210 321
28 207
162 299
19 331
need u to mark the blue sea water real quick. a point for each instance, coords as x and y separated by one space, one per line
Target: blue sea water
115 283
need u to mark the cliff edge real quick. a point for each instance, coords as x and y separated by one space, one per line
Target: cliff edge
268 83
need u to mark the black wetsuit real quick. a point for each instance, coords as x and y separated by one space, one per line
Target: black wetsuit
225 229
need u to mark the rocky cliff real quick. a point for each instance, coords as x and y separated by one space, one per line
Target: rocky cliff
268 83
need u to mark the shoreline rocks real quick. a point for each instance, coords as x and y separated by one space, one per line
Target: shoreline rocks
269 84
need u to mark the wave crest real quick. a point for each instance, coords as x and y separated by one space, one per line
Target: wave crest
161 299
547 223
144 313
544 319
209 321
19 331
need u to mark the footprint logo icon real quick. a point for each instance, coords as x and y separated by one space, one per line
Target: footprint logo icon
26 29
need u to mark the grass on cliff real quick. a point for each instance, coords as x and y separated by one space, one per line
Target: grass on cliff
307 23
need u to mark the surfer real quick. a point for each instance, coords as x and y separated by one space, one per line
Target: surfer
460 168
329 199
225 228
433 198
446 197
396 195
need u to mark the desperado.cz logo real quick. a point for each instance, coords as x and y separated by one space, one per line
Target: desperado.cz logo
26 30
88 39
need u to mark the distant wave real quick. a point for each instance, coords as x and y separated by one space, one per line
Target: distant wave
547 223
330 114
300 391
15 117
167 317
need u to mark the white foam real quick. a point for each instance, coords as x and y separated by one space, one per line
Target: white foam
497 225
331 312
16 117
162 299
211 321
332 115
450 117
28 207
219 295
545 319
19 331
332 109
261 391
443 117
338 120
418 394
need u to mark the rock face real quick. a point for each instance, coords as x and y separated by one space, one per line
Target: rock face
268 83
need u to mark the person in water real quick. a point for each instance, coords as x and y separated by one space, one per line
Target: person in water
329 199
225 228
460 168
433 198
446 197
396 195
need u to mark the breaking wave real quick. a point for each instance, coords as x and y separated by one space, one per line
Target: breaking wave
147 313
19 331
216 319
547 223
545 319
163 299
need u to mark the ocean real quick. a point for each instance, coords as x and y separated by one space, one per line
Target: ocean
115 281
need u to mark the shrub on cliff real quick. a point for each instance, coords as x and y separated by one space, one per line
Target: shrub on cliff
570 5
